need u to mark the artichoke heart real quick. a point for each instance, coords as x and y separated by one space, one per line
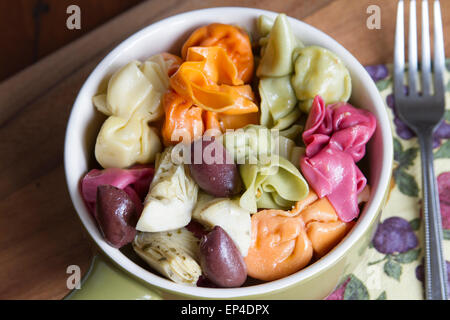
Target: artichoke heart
171 198
174 254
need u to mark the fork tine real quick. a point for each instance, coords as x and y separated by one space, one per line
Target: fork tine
438 63
412 49
399 51
426 64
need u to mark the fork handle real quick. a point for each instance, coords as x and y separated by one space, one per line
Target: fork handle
434 265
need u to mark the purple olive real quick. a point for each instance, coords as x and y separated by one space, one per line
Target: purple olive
221 261
214 169
115 215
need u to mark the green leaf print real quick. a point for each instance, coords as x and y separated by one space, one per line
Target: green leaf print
382 296
415 224
404 158
446 234
393 269
408 256
443 151
355 290
383 84
406 183
398 149
447 116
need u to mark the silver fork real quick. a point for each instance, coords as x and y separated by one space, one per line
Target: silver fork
422 111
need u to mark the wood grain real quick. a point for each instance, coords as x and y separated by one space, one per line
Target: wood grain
40 234
31 29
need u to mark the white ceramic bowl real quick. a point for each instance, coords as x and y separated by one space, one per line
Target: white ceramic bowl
168 35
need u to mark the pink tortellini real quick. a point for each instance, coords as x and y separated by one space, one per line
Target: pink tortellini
335 137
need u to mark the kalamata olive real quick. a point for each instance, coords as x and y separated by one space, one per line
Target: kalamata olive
115 215
214 169
220 259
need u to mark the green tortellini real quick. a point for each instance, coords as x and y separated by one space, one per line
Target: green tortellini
251 144
278 100
275 185
318 71
269 166
277 47
256 144
278 103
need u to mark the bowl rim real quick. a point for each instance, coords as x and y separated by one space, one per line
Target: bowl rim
357 232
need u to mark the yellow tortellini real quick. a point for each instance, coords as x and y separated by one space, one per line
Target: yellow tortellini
278 100
132 100
122 142
318 71
278 184
136 88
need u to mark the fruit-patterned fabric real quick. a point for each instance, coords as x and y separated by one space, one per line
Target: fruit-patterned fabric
392 267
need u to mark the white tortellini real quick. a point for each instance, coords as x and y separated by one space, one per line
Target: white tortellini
171 197
319 71
174 254
133 98
229 215
121 142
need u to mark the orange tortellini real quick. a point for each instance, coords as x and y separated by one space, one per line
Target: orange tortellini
183 120
233 39
209 89
283 242
209 78
323 226
279 245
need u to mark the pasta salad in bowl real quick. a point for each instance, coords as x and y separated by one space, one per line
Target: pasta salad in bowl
230 152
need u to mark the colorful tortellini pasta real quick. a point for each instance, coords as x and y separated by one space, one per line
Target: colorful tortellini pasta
273 222
278 103
133 98
277 47
319 71
271 180
255 143
183 121
283 242
207 92
123 142
335 137
278 100
279 245
209 78
233 39
137 88
276 184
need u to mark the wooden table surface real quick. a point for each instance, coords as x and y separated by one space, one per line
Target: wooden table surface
40 234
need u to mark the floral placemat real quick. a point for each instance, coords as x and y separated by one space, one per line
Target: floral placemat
392 267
